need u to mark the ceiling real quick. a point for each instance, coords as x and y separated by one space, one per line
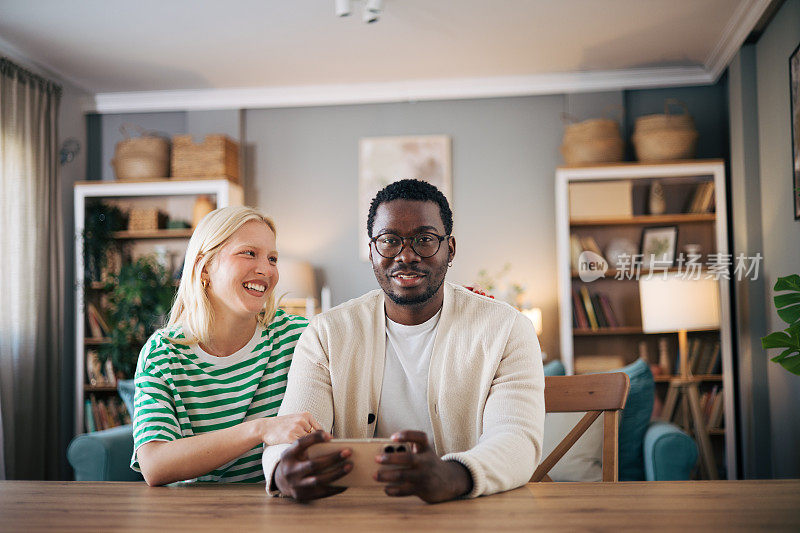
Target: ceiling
151 54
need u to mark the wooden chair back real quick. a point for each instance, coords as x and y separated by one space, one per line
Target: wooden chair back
595 394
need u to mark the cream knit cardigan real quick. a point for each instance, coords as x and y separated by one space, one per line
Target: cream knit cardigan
485 384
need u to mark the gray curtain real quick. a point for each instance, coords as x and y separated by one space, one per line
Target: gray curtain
31 274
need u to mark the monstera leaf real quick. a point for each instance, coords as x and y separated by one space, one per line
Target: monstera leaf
788 307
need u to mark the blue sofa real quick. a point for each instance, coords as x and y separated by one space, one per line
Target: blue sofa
648 450
651 451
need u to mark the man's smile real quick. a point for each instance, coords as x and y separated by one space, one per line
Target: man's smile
407 278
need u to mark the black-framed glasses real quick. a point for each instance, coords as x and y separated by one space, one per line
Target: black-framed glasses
424 244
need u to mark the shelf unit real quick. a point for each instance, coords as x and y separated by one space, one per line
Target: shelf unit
168 193
678 178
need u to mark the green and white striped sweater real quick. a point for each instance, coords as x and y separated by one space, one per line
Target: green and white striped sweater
182 391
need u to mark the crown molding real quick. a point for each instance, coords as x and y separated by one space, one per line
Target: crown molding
739 26
38 67
402 91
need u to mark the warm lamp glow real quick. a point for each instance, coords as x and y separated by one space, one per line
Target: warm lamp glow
675 303
535 316
296 279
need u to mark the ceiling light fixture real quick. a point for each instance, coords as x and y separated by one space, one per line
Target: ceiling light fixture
342 7
370 14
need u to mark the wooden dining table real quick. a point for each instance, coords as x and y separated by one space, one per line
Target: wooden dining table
770 505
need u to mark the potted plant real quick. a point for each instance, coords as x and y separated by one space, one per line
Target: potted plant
788 307
139 299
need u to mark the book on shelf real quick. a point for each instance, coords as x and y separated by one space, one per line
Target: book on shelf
575 250
717 411
592 310
580 312
608 311
97 322
599 312
695 348
590 245
94 370
88 416
587 305
702 201
714 366
109 374
97 373
707 402
105 414
704 358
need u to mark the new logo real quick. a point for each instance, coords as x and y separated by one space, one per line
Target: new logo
591 266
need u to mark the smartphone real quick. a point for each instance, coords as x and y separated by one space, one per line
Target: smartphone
363 458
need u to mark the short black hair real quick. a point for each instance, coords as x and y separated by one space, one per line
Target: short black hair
411 189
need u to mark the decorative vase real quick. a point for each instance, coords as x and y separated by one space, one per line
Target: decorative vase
202 206
621 251
656 201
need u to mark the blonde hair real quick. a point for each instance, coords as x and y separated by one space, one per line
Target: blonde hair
192 310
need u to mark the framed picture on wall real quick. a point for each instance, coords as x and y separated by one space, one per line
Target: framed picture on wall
383 160
794 88
658 246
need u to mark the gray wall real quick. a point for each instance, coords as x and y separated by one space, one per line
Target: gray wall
781 232
749 294
301 166
763 221
72 124
304 172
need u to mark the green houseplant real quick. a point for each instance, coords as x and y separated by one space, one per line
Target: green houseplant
788 307
139 299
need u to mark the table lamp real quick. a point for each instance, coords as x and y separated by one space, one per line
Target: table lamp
672 303
296 280
535 316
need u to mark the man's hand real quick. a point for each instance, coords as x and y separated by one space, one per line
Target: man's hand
305 479
421 472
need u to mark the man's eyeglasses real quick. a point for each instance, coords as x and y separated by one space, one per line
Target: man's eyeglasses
424 244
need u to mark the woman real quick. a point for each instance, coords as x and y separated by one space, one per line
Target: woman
208 385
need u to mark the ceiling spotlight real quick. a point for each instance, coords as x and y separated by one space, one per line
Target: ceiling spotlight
371 12
375 6
370 16
342 8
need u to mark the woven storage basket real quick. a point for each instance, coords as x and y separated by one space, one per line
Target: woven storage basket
146 219
665 137
217 156
592 141
143 157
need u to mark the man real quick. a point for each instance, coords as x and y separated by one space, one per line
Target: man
423 361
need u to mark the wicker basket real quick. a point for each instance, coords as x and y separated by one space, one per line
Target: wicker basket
146 219
665 137
216 156
143 157
592 141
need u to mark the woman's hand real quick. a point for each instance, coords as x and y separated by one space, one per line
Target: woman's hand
287 428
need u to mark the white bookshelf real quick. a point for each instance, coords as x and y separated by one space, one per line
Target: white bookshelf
170 194
640 174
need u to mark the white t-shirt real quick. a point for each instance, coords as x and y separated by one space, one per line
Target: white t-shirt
404 393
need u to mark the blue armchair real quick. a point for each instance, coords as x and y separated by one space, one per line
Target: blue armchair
106 455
